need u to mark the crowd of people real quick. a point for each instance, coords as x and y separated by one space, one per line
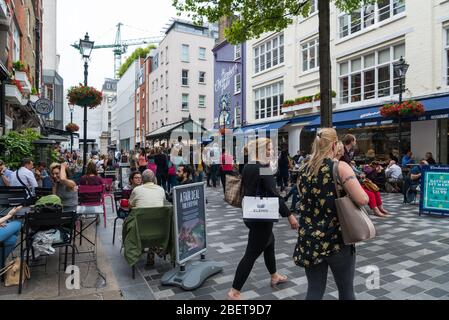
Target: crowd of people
307 179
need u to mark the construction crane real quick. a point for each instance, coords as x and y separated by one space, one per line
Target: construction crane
120 46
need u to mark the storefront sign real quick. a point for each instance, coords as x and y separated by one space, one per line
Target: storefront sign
44 106
223 82
435 190
190 221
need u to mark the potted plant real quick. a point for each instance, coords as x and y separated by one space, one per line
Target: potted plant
84 96
17 84
72 127
317 97
19 66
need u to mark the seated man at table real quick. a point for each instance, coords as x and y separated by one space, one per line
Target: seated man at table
9 231
148 195
408 159
412 182
63 187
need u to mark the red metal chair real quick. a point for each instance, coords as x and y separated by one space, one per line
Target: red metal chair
93 196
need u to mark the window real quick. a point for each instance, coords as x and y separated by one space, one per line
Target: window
237 51
157 84
185 77
370 76
202 77
237 83
162 80
16 40
166 104
29 23
185 101
202 53
237 115
166 55
166 79
162 57
162 104
447 56
310 58
268 101
202 101
313 6
157 105
368 16
185 53
269 54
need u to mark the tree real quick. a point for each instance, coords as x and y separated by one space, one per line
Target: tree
254 17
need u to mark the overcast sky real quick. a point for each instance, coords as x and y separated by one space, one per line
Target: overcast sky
142 18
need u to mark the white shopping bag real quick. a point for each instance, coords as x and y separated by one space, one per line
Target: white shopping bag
260 209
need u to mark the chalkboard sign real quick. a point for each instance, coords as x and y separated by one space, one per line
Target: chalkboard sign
435 190
190 221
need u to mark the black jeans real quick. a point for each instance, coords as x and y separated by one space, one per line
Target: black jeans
223 175
260 239
342 265
213 174
162 180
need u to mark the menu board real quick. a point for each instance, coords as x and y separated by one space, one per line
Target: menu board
190 221
435 190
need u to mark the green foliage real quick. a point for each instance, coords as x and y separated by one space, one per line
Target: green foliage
34 91
138 53
254 17
18 145
19 66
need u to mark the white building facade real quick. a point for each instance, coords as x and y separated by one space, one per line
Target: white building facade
181 80
109 100
364 46
123 111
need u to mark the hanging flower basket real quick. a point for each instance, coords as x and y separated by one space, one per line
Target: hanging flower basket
84 96
404 109
72 127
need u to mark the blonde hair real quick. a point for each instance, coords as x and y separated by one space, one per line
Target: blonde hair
321 148
340 150
54 166
256 146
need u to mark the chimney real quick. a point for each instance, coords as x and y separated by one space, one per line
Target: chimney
225 22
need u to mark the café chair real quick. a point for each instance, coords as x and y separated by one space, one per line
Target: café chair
45 219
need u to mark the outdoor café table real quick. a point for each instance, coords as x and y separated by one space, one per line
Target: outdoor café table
89 213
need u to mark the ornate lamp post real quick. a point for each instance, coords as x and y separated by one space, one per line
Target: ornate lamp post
72 108
400 70
86 47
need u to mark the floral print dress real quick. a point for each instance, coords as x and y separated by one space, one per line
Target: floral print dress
319 233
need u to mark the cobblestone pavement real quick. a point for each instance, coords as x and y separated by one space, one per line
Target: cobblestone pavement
411 252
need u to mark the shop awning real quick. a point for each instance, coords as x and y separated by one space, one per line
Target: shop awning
264 126
436 108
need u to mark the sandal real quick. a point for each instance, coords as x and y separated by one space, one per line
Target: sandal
281 279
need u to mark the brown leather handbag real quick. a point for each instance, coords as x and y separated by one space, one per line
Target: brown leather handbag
355 224
234 190
371 186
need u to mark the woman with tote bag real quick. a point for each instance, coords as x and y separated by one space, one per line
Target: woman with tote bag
320 241
258 181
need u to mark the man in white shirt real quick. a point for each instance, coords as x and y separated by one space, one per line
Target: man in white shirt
393 171
24 177
148 195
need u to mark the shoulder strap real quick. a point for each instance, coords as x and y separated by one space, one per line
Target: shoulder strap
23 184
336 177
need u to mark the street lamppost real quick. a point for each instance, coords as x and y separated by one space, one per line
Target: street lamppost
400 70
86 47
72 108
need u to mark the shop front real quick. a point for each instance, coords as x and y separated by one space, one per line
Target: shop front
378 136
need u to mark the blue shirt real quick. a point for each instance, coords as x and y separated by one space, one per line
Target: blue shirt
407 160
8 174
415 170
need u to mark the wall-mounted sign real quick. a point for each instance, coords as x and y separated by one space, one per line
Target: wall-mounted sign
44 106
